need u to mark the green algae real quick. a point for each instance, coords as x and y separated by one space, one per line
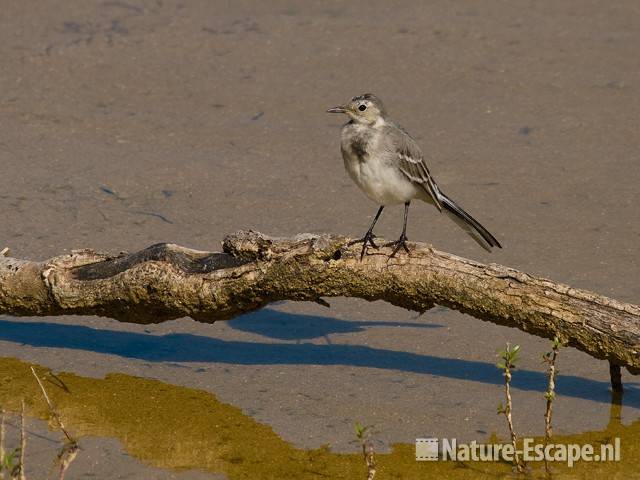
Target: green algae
175 427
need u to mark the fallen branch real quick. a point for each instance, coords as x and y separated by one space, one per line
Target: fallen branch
168 281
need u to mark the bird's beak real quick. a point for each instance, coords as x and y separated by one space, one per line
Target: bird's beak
340 109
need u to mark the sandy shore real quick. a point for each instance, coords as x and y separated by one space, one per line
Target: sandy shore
129 123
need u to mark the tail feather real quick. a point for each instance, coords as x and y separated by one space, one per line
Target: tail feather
480 234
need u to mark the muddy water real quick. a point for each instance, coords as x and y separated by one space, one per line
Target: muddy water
179 428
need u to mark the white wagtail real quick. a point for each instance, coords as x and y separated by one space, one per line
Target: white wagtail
389 167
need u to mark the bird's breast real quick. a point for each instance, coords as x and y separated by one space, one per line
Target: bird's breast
357 147
370 169
357 142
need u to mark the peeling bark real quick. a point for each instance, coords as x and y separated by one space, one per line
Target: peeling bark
167 281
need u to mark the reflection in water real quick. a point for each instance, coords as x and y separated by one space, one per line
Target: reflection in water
175 427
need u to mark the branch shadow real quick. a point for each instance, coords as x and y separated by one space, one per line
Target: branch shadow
180 347
285 326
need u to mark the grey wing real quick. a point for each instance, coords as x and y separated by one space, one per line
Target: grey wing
411 163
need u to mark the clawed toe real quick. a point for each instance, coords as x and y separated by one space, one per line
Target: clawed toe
398 244
366 240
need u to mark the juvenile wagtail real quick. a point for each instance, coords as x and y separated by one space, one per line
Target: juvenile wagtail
389 167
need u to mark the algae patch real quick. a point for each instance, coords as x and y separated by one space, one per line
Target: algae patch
175 427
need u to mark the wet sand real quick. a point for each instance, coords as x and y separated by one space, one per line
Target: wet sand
129 123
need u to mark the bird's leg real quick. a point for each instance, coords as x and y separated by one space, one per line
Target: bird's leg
402 241
369 236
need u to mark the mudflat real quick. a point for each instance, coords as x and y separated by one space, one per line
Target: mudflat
125 123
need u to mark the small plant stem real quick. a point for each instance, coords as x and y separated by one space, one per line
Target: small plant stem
69 450
66 460
2 434
23 443
509 357
370 459
363 435
507 413
52 409
550 395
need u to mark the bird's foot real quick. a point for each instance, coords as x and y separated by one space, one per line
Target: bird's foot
367 239
398 244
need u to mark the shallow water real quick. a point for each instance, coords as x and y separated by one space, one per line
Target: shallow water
180 428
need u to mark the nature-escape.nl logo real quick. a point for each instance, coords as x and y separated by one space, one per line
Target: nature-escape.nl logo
427 449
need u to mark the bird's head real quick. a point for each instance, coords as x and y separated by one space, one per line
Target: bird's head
366 108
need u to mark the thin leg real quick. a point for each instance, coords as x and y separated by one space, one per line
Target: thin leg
369 236
402 241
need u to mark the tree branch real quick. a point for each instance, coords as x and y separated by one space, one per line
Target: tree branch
167 281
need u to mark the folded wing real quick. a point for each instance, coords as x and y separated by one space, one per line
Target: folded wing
411 163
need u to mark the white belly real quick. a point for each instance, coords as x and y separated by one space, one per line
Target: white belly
380 181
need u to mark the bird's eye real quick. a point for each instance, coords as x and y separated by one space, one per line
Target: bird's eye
362 108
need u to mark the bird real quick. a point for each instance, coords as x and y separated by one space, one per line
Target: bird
390 168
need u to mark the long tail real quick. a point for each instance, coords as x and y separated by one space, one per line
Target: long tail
480 234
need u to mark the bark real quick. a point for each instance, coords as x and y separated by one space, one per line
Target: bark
167 281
